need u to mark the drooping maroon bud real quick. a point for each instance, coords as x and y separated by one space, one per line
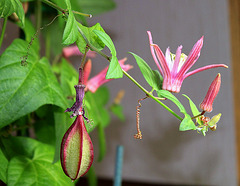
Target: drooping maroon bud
79 100
76 150
213 90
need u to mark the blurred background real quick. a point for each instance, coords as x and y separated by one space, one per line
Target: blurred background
165 155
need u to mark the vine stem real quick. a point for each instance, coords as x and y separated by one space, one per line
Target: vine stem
84 57
38 14
151 96
3 31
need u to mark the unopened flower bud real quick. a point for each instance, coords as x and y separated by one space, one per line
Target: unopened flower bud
213 90
76 150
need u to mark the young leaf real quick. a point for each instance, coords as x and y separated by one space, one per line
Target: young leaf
170 96
194 109
107 41
187 123
147 72
114 69
90 36
7 7
70 33
25 88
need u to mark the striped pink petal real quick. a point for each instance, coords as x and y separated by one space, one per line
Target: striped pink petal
191 59
204 68
153 53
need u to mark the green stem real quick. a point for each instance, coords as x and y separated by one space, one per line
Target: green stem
151 96
82 14
38 14
54 6
84 57
3 30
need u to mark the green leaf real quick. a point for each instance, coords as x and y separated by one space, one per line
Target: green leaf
38 169
170 96
149 75
45 126
18 146
90 36
70 33
7 7
68 3
25 88
3 167
117 109
157 80
107 41
114 69
194 109
187 123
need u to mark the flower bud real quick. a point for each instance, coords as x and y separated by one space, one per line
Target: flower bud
76 150
213 90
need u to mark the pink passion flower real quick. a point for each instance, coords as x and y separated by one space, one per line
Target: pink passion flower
174 68
76 150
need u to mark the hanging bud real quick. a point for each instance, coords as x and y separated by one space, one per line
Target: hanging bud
213 122
213 90
76 150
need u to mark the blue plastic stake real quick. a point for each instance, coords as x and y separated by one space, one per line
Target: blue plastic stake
118 166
